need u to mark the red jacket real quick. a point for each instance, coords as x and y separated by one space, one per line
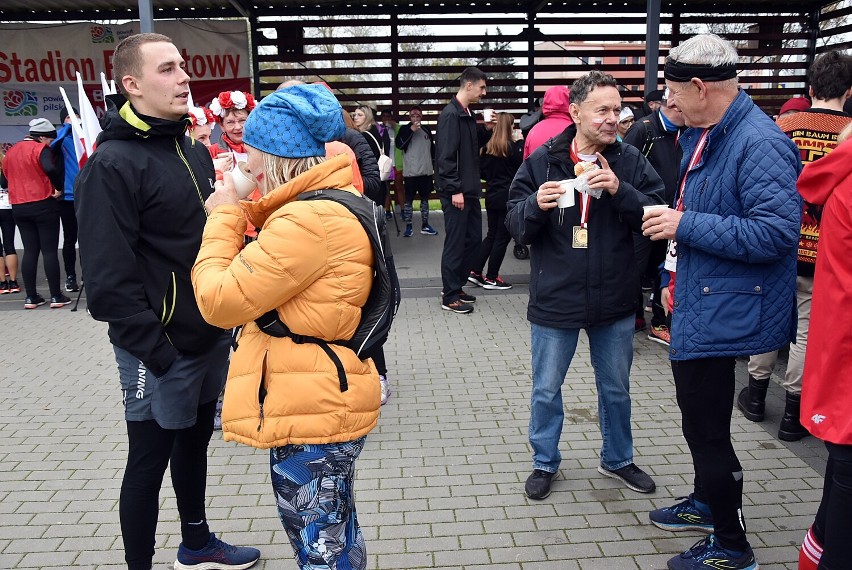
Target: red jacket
22 167
556 119
827 382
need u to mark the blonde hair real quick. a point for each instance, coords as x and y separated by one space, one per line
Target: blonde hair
280 170
369 119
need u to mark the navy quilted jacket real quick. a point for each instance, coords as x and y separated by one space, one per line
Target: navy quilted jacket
737 239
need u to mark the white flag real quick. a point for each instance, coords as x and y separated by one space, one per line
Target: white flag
91 127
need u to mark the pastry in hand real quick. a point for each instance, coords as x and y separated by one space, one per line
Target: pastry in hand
584 166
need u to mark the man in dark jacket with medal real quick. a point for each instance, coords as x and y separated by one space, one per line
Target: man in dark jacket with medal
582 275
140 204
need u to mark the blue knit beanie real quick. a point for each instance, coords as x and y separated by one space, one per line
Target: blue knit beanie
295 122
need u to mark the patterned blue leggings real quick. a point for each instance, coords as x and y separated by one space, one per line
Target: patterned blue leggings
313 487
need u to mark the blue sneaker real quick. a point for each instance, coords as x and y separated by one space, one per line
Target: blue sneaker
428 230
408 231
682 516
217 555
707 554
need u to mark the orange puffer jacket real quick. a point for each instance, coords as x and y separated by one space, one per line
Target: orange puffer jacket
312 262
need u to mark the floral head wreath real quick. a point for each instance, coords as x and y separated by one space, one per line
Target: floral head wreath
231 100
202 116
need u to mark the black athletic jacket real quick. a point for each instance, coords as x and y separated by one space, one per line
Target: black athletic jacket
498 173
140 207
457 152
374 188
660 147
578 288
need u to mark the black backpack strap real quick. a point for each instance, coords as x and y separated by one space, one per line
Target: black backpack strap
272 325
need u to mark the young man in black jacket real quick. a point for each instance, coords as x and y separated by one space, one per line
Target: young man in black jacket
581 273
457 181
140 205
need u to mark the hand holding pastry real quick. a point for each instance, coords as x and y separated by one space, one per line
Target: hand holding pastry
603 178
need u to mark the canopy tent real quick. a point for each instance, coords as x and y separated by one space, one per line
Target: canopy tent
394 63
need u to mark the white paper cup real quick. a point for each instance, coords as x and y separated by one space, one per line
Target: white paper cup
488 115
566 200
651 209
244 182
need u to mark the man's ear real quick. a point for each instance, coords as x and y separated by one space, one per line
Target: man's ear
574 111
130 85
702 87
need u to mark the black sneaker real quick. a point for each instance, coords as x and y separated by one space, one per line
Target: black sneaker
465 298
537 486
457 306
216 555
496 284
33 302
58 301
4 287
71 284
631 476
13 286
476 279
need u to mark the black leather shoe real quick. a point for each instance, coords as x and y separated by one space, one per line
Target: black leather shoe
538 484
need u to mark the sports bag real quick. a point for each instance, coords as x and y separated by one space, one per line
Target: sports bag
384 161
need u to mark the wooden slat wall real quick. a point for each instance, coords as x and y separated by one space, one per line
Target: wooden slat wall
386 61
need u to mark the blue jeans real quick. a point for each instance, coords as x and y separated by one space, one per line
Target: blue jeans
612 355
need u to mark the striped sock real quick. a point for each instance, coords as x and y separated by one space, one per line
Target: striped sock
811 552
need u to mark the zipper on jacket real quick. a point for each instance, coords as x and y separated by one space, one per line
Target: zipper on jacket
166 319
192 174
261 392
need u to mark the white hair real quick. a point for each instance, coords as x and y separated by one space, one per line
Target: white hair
705 49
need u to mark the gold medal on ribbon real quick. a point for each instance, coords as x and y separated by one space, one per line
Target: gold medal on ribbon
581 238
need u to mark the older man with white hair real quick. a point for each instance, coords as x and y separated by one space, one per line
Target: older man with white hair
733 239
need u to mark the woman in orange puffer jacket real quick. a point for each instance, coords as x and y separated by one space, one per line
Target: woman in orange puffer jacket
312 263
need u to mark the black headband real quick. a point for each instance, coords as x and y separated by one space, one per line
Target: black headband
684 72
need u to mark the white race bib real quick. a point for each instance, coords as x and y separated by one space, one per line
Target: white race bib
671 257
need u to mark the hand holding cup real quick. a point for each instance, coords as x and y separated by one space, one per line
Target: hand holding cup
548 194
224 161
660 222
224 193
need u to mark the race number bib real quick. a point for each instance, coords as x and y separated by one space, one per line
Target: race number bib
671 257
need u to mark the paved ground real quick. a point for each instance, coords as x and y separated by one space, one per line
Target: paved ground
440 483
